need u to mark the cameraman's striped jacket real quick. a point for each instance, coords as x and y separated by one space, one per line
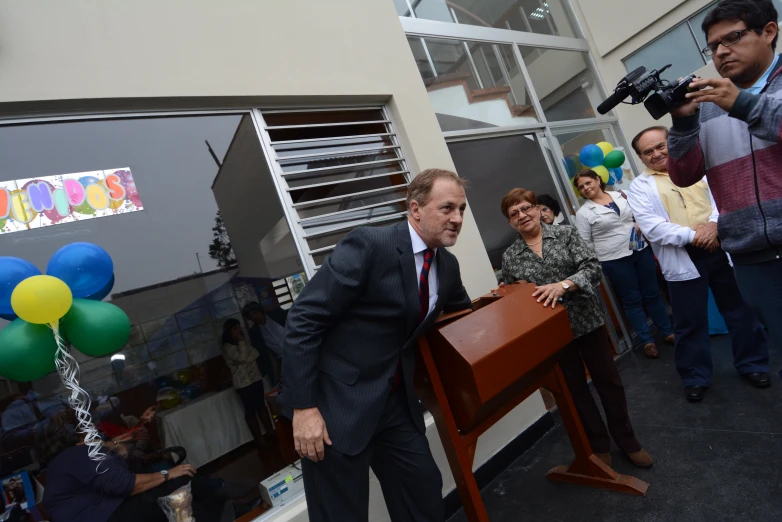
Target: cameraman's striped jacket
741 154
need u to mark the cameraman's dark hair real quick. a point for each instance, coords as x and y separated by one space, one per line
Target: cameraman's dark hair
589 173
756 14
545 199
640 135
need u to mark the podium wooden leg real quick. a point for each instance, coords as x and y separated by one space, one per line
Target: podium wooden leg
460 453
586 469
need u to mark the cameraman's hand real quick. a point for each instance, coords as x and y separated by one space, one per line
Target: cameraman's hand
722 93
687 109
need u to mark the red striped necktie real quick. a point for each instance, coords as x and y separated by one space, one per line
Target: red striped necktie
423 305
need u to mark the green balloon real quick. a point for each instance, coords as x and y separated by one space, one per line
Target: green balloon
96 328
614 159
26 351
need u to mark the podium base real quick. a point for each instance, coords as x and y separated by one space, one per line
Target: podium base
594 473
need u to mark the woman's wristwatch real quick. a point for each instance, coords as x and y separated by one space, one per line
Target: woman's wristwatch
565 285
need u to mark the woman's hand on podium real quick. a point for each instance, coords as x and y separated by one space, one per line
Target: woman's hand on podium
549 294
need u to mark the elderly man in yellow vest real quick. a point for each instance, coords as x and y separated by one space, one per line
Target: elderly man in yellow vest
681 226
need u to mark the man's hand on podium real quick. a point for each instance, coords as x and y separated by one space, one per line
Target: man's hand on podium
310 434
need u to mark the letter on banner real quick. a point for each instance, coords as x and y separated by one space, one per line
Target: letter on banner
96 197
5 203
116 190
40 196
75 191
61 202
20 207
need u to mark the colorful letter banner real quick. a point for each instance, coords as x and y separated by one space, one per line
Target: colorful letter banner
26 204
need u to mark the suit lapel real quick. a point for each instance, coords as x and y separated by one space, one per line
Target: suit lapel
409 278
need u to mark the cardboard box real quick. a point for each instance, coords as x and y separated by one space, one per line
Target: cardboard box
283 485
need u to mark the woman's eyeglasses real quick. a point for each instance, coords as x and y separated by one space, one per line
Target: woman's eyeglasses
731 39
526 209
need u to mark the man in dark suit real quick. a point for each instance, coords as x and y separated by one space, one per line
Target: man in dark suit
348 360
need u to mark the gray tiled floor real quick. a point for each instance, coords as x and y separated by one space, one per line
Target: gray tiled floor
719 460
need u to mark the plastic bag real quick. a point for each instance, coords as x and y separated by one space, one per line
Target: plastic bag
178 506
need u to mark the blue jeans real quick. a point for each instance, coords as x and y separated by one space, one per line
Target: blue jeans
690 303
761 286
635 280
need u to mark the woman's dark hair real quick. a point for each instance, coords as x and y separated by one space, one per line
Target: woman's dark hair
548 201
54 436
589 173
228 325
756 14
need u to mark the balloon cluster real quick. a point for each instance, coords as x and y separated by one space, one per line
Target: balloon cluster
69 297
601 158
45 310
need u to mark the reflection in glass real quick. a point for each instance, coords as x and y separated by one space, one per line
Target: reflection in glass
532 16
676 47
473 85
493 167
211 237
563 82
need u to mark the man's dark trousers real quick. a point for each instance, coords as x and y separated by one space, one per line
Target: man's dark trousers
400 457
689 300
761 285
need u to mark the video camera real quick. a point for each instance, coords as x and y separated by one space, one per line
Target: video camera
658 95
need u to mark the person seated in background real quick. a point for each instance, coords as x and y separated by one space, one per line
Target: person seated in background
79 489
681 226
266 336
241 358
550 213
557 260
606 223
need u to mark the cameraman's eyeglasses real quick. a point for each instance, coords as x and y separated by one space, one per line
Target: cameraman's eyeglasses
731 39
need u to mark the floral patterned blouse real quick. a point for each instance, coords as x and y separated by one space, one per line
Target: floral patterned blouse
565 256
241 361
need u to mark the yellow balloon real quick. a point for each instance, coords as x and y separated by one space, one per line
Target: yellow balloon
41 299
605 147
602 172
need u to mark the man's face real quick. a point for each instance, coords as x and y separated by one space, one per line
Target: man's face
439 221
746 60
654 150
258 317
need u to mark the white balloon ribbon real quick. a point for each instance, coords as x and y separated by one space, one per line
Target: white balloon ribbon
79 399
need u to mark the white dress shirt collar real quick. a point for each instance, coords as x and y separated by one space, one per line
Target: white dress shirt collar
418 243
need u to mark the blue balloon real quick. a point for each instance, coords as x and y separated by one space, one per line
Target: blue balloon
8 317
12 272
99 296
591 156
570 166
86 268
615 175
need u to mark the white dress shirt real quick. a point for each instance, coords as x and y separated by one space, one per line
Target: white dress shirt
418 253
667 239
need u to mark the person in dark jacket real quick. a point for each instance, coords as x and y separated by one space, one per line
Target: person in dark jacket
79 489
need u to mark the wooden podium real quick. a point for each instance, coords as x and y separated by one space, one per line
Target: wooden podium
475 367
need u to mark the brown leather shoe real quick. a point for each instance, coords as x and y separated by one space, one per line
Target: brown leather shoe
670 339
640 458
651 351
605 457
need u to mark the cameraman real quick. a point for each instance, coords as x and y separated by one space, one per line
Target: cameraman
731 131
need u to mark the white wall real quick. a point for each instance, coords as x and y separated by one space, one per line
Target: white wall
86 55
